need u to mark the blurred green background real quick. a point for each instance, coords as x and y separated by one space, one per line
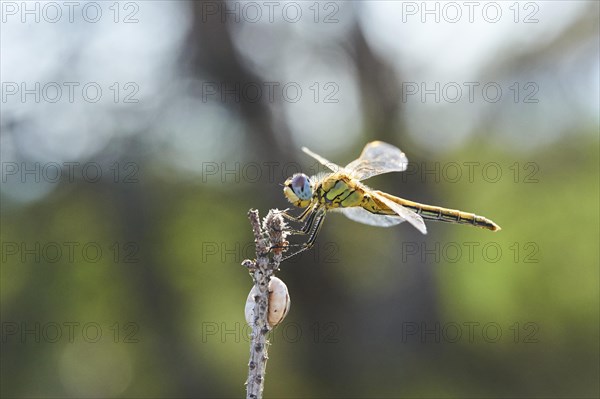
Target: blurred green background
122 278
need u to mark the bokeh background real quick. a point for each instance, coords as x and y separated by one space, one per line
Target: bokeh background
137 135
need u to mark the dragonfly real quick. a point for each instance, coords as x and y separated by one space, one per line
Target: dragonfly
342 190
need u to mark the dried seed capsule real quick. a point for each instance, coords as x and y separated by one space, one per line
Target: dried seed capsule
279 302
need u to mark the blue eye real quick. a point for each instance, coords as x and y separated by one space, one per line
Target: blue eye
301 186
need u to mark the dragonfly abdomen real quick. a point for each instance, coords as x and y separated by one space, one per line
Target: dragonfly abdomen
453 216
439 214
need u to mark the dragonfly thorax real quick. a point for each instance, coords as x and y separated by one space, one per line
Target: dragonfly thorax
298 190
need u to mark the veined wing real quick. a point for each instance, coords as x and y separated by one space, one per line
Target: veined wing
332 166
377 158
405 213
361 215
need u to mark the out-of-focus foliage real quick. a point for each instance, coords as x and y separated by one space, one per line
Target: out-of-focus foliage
460 312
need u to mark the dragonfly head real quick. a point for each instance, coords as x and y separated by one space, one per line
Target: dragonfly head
298 190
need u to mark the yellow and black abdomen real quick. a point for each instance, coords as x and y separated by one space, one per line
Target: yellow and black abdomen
439 214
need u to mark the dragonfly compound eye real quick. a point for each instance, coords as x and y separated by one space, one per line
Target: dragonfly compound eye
301 186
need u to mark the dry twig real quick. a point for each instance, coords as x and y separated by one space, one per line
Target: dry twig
270 244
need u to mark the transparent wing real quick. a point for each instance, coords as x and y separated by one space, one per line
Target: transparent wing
377 158
405 213
361 215
332 166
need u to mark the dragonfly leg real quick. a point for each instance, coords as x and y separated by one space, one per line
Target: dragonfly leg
318 223
310 221
299 218
307 216
310 211
315 233
303 248
307 227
